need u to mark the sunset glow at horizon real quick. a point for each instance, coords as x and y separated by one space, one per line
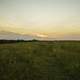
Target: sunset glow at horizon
44 18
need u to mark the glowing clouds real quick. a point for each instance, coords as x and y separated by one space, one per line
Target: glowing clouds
40 35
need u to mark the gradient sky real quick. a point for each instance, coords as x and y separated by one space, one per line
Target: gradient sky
45 18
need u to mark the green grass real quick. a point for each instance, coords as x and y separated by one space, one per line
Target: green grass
58 60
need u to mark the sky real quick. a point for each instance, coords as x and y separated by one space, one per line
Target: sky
44 18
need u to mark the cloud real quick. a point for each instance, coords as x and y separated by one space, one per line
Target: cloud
40 35
14 36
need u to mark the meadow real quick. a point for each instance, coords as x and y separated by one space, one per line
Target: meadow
40 60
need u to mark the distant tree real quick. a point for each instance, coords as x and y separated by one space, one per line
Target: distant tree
34 40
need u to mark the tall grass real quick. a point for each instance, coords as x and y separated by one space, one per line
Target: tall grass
58 60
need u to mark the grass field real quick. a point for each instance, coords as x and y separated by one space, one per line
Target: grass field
57 60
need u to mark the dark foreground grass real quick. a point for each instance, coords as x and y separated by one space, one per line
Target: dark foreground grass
58 60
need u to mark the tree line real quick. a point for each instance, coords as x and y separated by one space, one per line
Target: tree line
13 41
